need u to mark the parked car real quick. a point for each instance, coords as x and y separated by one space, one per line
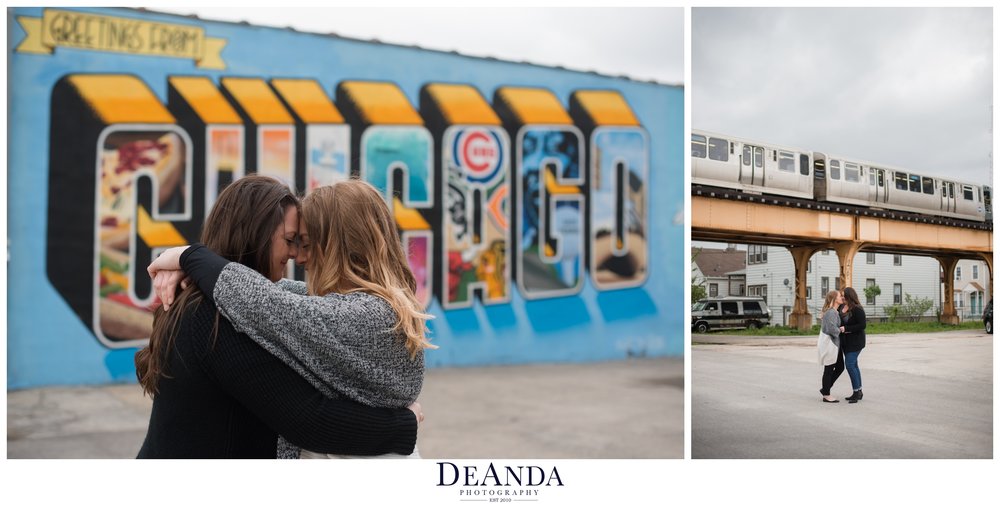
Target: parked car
988 317
730 313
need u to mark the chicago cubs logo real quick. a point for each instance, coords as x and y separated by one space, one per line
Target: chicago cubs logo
477 151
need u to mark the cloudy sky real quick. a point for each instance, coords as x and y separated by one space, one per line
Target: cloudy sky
906 87
641 43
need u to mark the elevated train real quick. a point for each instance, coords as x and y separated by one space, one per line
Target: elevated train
750 166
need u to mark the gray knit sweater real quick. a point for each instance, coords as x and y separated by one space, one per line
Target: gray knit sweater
343 344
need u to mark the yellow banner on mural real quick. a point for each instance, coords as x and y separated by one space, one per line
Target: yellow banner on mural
80 30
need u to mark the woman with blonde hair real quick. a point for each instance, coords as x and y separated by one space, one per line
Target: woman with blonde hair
830 355
355 329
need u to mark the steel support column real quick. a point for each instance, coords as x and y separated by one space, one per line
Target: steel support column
800 317
948 315
988 258
846 251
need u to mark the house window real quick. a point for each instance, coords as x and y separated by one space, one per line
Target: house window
836 283
897 260
713 290
824 285
809 266
809 292
958 273
756 254
975 272
870 258
897 293
757 291
826 252
869 300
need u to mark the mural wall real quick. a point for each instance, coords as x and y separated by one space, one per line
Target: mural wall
540 207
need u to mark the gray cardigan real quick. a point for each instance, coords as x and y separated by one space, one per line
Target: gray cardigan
341 343
831 325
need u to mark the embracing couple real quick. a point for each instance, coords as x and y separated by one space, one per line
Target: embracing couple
841 339
239 356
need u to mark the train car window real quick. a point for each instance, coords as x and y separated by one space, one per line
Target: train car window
758 157
786 162
901 181
804 165
881 178
871 178
851 173
698 146
746 155
928 186
835 169
915 183
718 149
967 192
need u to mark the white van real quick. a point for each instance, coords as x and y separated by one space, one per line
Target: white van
730 313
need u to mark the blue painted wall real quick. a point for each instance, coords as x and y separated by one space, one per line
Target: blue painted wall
48 344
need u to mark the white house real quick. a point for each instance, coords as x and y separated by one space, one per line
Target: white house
770 273
721 271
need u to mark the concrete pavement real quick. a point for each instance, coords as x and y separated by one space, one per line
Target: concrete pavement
621 409
926 396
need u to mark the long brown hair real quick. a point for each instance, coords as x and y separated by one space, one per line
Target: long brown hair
355 248
851 297
239 228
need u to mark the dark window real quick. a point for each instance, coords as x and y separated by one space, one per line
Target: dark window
915 183
869 300
718 149
928 186
901 181
870 258
712 306
746 155
804 165
730 308
835 169
967 192
752 308
836 283
713 290
824 285
897 293
809 266
786 161
809 292
881 178
758 157
698 146
826 252
897 260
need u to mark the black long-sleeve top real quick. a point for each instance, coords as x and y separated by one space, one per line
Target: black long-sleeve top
227 397
853 337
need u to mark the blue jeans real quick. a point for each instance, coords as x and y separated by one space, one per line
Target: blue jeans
851 363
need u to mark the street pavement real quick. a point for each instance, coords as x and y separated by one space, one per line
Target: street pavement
925 396
622 409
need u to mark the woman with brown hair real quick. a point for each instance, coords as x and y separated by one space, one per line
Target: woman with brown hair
355 329
217 394
830 356
852 335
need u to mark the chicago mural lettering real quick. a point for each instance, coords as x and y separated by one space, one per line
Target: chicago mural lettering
521 192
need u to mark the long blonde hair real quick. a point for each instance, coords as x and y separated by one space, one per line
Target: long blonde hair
831 301
355 248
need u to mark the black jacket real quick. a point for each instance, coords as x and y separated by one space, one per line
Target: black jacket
227 397
853 337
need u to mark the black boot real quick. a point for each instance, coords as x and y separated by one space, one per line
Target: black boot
855 397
